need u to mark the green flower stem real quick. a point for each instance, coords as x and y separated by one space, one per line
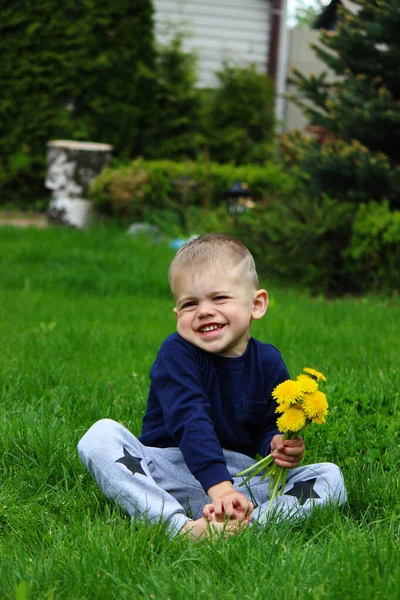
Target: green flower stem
275 490
277 475
263 463
255 469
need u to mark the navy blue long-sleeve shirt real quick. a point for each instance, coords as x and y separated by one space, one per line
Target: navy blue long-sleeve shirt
202 402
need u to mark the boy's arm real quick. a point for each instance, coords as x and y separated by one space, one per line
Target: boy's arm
177 379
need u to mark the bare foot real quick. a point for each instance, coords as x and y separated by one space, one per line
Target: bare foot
202 528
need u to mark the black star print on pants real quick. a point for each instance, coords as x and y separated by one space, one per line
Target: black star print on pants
303 490
131 462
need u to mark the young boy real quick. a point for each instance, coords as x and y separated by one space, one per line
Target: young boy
209 410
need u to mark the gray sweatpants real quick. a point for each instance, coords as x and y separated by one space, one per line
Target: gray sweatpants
155 483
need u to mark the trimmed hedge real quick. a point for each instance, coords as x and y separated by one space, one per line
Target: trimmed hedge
131 191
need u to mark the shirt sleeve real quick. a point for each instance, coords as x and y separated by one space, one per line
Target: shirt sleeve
177 380
276 375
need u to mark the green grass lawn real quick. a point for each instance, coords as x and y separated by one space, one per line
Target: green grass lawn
82 317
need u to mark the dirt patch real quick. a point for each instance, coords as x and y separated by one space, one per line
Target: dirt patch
23 219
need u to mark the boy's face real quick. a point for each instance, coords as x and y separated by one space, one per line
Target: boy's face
214 310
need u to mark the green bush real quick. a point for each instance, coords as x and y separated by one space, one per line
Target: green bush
71 69
330 246
300 238
237 119
349 172
175 121
373 253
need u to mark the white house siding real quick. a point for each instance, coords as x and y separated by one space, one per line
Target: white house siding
303 58
234 30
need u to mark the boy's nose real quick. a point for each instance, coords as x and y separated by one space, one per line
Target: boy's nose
205 309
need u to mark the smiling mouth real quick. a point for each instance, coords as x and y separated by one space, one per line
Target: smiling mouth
207 328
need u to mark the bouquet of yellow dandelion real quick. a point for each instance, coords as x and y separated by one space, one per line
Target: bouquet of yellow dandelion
301 403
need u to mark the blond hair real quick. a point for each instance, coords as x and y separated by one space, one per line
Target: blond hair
209 251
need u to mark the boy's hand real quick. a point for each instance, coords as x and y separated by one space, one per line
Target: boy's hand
227 503
287 453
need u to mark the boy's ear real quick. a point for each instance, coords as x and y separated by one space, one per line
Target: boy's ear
175 312
260 304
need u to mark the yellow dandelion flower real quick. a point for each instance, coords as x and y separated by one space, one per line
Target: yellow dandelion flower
319 419
300 403
308 384
316 374
293 419
315 404
287 393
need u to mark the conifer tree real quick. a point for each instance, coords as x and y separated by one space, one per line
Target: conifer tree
356 113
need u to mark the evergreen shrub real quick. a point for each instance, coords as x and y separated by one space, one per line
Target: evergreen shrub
237 119
359 110
300 238
175 128
347 171
328 245
74 70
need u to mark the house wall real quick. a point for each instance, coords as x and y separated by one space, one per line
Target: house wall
234 30
302 57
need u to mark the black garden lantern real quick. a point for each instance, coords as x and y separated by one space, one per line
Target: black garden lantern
239 198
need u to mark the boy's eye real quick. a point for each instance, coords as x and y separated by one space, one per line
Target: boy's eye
188 304
220 297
